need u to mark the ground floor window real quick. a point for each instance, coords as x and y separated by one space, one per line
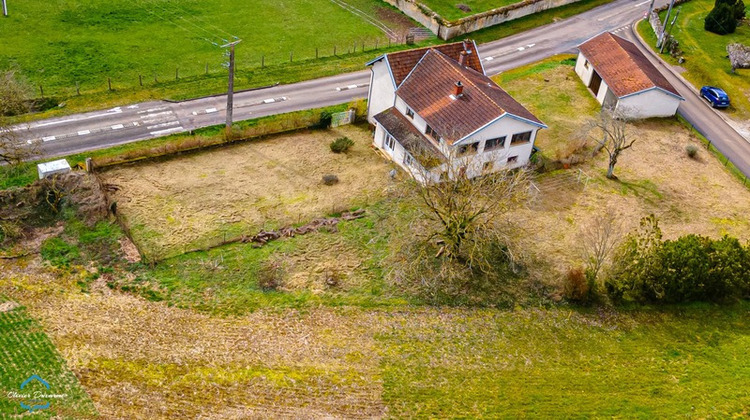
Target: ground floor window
390 142
513 159
408 160
493 144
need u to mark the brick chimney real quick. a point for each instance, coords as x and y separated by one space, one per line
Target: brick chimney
462 58
458 89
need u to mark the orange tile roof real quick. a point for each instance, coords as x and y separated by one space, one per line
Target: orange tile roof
428 91
622 65
403 62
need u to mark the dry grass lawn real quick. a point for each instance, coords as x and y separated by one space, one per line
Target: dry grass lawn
195 200
655 176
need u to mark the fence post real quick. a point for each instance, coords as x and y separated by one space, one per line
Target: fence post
291 56
156 80
363 46
41 90
78 89
109 83
316 52
262 61
140 79
334 50
177 73
206 68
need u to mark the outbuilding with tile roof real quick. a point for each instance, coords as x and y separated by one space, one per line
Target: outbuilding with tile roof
621 78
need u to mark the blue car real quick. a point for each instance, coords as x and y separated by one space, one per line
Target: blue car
715 96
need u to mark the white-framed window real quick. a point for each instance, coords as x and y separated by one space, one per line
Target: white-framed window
390 142
468 148
409 112
431 132
495 143
408 160
586 63
520 138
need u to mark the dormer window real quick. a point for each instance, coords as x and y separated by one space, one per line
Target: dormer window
409 112
430 132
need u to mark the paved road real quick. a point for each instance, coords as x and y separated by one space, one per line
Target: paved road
89 131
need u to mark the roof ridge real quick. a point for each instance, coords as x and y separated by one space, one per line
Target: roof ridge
445 58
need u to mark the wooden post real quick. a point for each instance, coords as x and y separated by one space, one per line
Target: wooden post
156 80
206 68
41 90
140 79
316 52
363 46
109 83
177 73
262 61
78 89
291 56
334 50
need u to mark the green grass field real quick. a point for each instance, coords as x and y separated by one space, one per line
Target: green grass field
448 9
26 350
57 44
682 362
705 54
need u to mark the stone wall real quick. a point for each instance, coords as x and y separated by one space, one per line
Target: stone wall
446 29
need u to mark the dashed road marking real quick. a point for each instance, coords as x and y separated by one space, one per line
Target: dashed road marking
349 87
211 110
84 132
166 124
49 138
146 111
156 114
117 126
167 131
133 107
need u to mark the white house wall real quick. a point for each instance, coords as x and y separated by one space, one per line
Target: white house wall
397 156
417 121
603 89
504 126
382 90
583 72
647 104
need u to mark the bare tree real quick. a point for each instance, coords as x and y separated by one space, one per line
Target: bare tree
598 241
14 94
467 210
611 133
13 148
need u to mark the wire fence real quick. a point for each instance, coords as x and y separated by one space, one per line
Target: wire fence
246 68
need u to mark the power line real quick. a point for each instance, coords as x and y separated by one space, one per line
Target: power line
205 22
171 17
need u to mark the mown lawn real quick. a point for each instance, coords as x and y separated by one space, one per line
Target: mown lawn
25 350
59 44
705 54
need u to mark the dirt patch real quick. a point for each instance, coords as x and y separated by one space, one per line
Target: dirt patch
203 199
8 306
129 250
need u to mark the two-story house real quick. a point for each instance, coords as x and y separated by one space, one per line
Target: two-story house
433 107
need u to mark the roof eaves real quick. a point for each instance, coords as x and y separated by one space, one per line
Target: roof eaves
376 59
652 88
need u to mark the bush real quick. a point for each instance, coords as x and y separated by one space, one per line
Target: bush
59 253
721 20
576 287
330 179
690 268
692 151
737 6
270 275
341 144
325 119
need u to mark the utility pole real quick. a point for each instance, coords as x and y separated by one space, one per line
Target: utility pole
230 90
650 9
5 9
677 13
664 27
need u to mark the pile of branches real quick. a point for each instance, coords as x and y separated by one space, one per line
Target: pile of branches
263 237
739 56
